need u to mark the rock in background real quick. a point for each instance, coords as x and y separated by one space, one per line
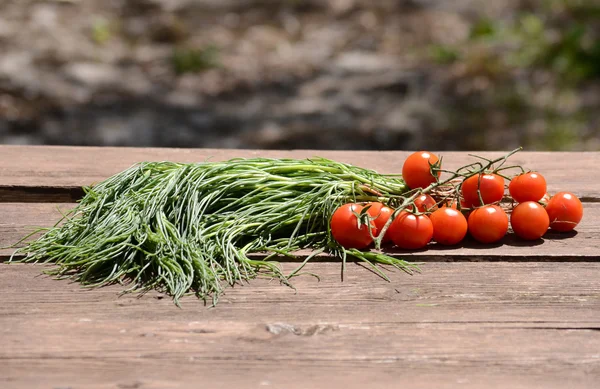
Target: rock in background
337 74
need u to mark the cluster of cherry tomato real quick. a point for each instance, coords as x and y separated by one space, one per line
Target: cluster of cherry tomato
477 210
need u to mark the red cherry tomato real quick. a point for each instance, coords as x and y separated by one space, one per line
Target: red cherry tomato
529 220
382 214
416 170
488 224
425 203
410 231
450 204
345 227
565 211
491 187
527 187
449 226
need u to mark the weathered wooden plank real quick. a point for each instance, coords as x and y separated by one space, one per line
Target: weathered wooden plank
530 325
103 355
45 173
18 219
536 293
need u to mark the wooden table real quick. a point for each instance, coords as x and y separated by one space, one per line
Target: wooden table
516 315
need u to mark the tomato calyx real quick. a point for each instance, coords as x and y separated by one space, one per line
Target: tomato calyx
364 218
436 169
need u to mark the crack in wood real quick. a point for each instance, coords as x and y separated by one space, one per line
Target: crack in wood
72 194
316 329
40 194
423 260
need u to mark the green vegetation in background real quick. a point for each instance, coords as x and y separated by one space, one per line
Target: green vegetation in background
101 31
187 60
558 42
548 39
443 54
559 135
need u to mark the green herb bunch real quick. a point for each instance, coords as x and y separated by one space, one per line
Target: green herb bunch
195 228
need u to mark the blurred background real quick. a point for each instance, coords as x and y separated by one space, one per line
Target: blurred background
320 74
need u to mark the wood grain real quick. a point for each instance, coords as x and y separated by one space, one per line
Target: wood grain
537 293
250 357
19 219
56 173
518 315
524 325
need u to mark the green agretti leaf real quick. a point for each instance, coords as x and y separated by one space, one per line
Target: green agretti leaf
194 228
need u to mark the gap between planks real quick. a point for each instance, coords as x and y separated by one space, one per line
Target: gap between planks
57 173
